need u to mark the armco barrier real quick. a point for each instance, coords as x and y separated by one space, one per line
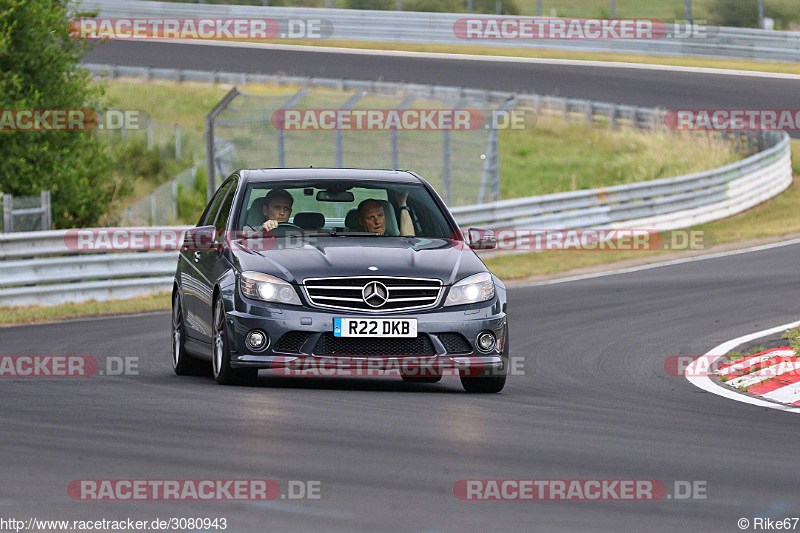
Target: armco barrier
393 26
29 279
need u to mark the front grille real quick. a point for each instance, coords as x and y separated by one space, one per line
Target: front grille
358 346
291 342
454 343
347 293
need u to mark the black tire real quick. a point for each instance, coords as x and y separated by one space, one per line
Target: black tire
182 363
421 379
223 373
492 382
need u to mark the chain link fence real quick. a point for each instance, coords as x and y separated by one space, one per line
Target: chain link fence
461 163
161 207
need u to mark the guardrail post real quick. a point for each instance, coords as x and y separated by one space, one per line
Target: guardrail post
47 214
589 113
8 213
612 117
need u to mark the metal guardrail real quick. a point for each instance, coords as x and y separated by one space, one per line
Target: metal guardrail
659 205
662 204
393 26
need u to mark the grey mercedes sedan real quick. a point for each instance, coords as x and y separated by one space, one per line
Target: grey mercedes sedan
339 272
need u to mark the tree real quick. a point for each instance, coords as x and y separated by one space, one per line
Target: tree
39 70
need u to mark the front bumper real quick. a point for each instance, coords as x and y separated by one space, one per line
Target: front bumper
468 321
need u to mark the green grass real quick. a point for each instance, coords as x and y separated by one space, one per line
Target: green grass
558 156
772 219
544 53
666 10
15 316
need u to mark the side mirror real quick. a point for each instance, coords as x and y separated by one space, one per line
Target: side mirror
200 239
481 239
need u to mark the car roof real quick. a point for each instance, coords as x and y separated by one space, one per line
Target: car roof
326 174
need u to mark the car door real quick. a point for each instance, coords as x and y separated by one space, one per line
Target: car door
194 283
210 263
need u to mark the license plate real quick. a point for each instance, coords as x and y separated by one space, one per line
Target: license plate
374 327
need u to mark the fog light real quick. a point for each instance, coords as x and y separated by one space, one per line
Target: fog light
257 340
486 341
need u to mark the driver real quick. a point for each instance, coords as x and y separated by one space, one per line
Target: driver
277 208
372 218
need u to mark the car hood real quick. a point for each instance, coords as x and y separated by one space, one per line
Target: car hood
446 260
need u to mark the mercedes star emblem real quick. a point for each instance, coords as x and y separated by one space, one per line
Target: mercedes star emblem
375 294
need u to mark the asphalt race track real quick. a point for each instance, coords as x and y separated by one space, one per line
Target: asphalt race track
670 90
595 401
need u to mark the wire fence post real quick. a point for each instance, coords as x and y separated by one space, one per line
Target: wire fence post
394 134
174 199
211 184
149 133
491 164
8 213
446 162
280 136
339 134
177 141
47 214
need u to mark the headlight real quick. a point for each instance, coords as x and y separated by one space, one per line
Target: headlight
268 288
477 288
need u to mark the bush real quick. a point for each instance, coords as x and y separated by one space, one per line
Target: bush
737 13
39 70
192 201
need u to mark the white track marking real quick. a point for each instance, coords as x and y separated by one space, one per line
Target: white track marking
750 361
697 377
765 373
661 264
787 394
486 58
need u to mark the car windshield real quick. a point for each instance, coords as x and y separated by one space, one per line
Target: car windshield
343 209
